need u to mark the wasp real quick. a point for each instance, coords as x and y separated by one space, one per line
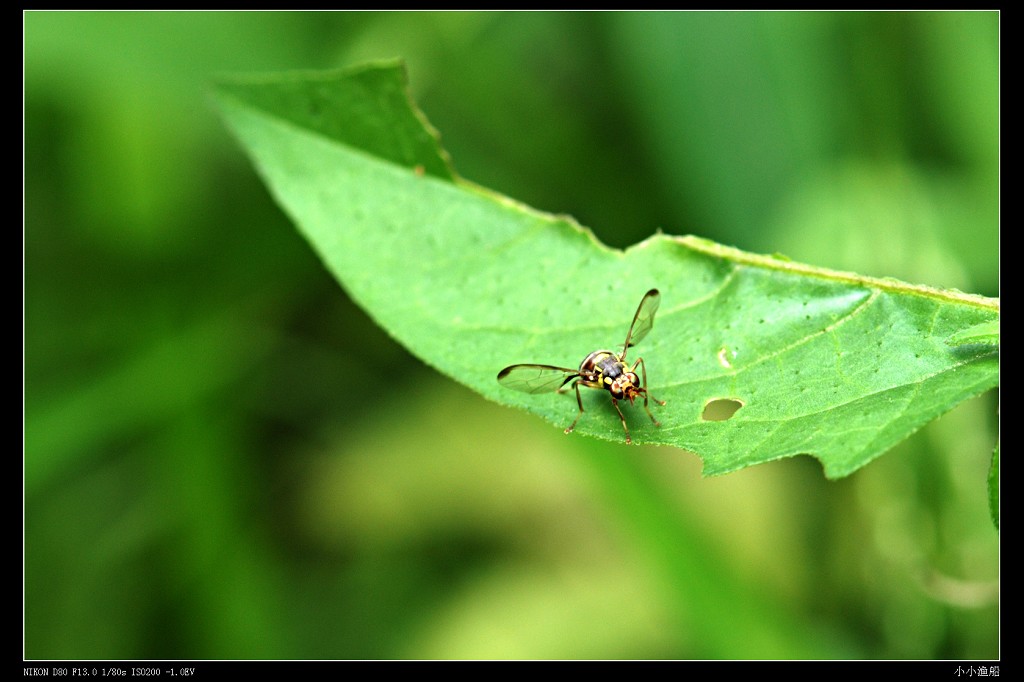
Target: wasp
602 369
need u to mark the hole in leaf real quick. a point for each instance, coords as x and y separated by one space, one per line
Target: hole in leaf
721 409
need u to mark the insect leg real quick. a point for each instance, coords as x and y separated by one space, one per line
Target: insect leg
615 403
567 380
579 401
643 373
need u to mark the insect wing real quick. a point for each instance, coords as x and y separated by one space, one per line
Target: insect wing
643 320
535 378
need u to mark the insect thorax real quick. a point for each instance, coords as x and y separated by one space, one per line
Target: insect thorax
601 363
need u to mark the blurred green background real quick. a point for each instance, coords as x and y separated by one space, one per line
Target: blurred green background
224 458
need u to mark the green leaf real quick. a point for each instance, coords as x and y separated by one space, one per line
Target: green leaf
825 363
986 333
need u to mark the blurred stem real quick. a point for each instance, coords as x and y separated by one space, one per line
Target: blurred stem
725 616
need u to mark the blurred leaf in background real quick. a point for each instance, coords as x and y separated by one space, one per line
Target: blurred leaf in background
225 459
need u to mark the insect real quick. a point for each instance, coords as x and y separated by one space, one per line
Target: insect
602 369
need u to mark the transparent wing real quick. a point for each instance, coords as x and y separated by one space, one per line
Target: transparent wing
643 320
535 378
